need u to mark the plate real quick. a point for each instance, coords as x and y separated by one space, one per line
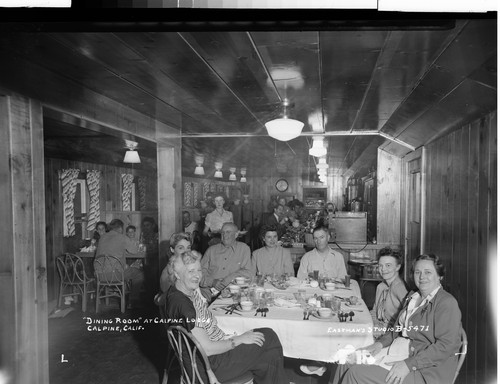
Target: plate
246 310
317 316
353 305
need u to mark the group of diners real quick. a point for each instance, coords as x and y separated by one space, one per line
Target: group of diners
423 325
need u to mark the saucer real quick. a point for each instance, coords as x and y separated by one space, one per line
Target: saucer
353 305
317 316
246 310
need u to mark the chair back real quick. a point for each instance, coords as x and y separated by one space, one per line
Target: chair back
71 269
463 353
109 269
195 367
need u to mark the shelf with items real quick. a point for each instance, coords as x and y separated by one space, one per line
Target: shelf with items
314 197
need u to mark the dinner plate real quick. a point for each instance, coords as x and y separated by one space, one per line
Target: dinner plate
317 316
353 305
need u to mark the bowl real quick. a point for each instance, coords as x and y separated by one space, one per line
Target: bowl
353 300
234 288
324 312
330 286
246 305
240 280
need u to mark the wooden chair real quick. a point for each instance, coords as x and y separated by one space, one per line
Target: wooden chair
463 353
73 276
109 272
194 361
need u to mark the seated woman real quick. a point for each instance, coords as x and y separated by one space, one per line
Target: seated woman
180 243
258 351
272 258
422 346
390 292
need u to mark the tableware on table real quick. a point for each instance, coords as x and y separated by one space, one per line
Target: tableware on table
233 288
353 300
316 274
316 315
327 300
259 280
330 286
293 281
240 280
314 284
347 281
236 297
269 296
246 305
351 314
325 312
336 304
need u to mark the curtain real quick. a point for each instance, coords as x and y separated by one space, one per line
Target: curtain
127 180
94 186
68 181
141 183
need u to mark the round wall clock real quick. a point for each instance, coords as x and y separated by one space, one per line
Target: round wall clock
282 185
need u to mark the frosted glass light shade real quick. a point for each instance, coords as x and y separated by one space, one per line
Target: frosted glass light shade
131 156
284 129
218 174
199 170
322 164
317 149
243 179
232 177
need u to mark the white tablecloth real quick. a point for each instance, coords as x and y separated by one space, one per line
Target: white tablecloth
314 339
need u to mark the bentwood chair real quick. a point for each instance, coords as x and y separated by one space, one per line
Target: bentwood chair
195 366
74 279
109 272
463 353
192 359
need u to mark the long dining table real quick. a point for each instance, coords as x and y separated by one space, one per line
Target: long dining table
317 338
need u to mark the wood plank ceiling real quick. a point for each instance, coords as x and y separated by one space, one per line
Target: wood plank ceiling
398 88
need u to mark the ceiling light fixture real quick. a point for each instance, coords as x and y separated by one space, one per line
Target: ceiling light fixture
322 164
243 175
131 156
218 170
199 159
232 176
284 128
318 148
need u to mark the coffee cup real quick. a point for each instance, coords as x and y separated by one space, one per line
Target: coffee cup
240 280
246 305
233 288
353 300
324 312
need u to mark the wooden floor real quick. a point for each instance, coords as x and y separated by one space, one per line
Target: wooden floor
78 355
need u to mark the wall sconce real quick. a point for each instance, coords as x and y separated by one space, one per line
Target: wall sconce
318 148
199 159
232 176
131 156
218 170
243 175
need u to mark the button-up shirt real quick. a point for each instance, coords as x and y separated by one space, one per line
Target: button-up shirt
215 220
412 308
224 263
332 264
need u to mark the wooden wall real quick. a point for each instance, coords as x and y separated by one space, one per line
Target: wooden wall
110 204
389 171
460 227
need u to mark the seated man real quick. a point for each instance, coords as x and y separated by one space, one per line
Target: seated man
224 261
277 219
258 351
322 258
115 243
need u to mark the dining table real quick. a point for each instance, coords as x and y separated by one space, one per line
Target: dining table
303 333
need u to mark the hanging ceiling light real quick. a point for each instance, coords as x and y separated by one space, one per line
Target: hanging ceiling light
232 176
243 175
322 164
318 148
131 156
284 128
218 170
199 159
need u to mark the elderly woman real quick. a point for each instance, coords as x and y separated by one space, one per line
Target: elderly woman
180 243
422 346
258 351
390 292
272 258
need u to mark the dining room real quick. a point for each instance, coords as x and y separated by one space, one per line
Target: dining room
390 122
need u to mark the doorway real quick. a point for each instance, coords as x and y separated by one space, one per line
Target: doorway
413 168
